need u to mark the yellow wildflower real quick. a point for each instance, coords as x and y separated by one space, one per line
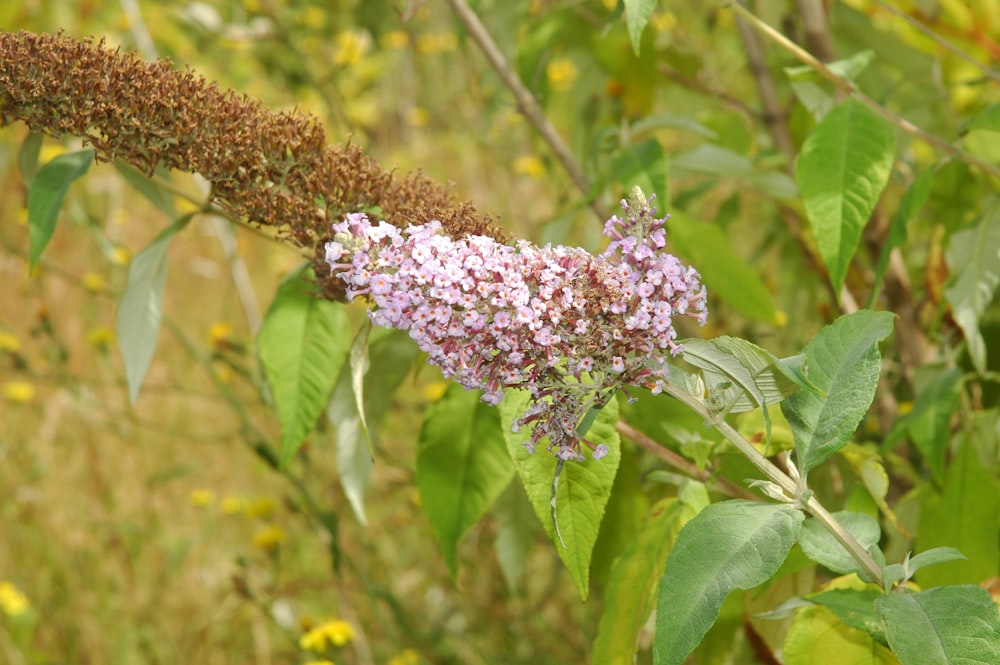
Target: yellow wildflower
314 17
201 498
432 392
336 633
351 46
220 334
93 282
231 505
780 318
270 538
12 601
120 256
262 507
22 217
406 657
395 40
100 337
529 165
9 342
19 392
436 42
561 72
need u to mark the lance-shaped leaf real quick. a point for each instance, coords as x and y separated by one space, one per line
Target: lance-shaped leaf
582 491
843 362
637 13
302 345
140 311
462 465
841 171
952 625
48 188
820 545
728 546
974 257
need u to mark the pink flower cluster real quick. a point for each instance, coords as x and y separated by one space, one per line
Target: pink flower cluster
569 327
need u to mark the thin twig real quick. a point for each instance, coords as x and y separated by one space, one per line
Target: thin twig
846 86
724 485
525 100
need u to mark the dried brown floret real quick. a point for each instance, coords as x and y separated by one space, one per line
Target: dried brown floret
266 168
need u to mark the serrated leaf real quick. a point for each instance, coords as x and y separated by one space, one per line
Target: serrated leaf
953 625
302 345
843 362
391 356
48 188
820 545
974 258
27 157
631 591
582 492
722 270
637 13
462 465
818 637
140 310
729 545
645 166
841 171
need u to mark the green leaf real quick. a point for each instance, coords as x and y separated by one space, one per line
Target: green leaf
820 545
302 345
645 166
392 354
140 311
359 365
631 591
814 91
729 545
954 625
516 529
27 157
637 13
855 608
462 465
47 191
583 490
818 637
963 516
929 422
161 198
724 272
713 160
841 171
913 201
988 119
974 258
843 362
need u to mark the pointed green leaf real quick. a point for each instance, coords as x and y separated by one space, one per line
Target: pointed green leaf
723 271
637 13
818 637
842 169
953 625
27 157
820 545
161 198
843 362
359 367
583 490
729 545
462 465
963 516
302 345
644 166
974 258
714 160
48 188
929 422
913 200
631 590
814 91
516 529
140 311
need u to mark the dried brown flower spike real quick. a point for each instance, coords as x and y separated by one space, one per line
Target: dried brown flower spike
266 168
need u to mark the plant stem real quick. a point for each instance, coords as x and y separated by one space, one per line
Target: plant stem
525 100
849 88
782 480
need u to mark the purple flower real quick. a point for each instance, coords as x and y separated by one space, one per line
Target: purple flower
557 321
